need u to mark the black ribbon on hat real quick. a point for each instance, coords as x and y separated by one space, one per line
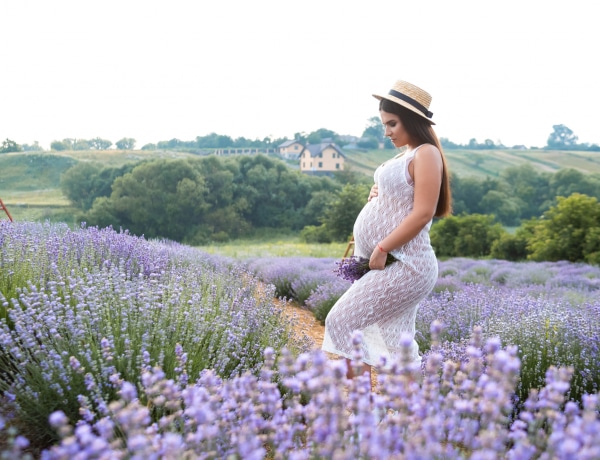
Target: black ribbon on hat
412 102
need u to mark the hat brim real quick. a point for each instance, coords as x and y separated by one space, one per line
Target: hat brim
404 104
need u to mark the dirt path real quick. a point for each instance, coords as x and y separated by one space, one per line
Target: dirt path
305 323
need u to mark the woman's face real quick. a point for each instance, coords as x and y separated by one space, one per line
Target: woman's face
393 129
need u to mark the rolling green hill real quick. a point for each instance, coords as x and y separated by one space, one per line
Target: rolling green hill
29 182
483 163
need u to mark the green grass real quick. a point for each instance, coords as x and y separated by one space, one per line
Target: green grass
116 158
31 171
488 163
33 213
283 246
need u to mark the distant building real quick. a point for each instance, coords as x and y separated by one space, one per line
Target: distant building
321 159
290 149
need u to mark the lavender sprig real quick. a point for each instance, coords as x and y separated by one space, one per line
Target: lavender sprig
354 268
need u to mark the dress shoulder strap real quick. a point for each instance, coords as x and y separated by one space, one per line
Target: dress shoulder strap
409 152
417 148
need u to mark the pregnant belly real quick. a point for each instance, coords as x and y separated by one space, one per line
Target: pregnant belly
369 228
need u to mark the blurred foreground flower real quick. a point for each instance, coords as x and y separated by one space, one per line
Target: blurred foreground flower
354 267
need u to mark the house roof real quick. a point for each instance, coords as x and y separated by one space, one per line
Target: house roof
288 143
316 149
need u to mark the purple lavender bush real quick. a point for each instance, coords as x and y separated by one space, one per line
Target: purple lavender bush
550 311
324 297
294 278
112 350
446 409
311 282
86 311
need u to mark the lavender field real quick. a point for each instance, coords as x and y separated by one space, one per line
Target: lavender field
112 346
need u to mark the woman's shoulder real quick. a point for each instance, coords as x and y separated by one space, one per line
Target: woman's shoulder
426 148
427 151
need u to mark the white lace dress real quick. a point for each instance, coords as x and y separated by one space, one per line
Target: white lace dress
383 303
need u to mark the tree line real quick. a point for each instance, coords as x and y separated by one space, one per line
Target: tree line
569 230
199 200
561 138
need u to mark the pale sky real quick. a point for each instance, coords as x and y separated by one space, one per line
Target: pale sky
155 70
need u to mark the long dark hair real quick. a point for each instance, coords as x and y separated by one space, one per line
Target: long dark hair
421 132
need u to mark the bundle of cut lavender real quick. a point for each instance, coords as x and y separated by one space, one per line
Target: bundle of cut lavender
354 267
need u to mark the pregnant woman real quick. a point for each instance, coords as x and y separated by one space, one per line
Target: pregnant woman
410 189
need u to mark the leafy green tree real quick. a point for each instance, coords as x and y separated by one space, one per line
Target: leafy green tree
158 199
270 194
374 129
100 144
505 206
316 234
59 146
529 188
567 181
223 218
322 134
103 214
368 143
466 194
592 246
317 206
300 137
84 182
214 141
258 191
81 144
568 231
126 143
465 236
35 147
509 247
77 184
10 146
562 138
514 246
339 218
348 176
448 144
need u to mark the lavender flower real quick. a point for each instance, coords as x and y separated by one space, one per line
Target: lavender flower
120 348
354 268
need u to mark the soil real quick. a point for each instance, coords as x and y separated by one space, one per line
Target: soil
305 323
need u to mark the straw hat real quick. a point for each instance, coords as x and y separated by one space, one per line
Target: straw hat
410 96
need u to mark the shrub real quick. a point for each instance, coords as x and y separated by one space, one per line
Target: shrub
294 278
460 410
322 300
509 247
87 310
465 236
568 231
314 234
547 329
